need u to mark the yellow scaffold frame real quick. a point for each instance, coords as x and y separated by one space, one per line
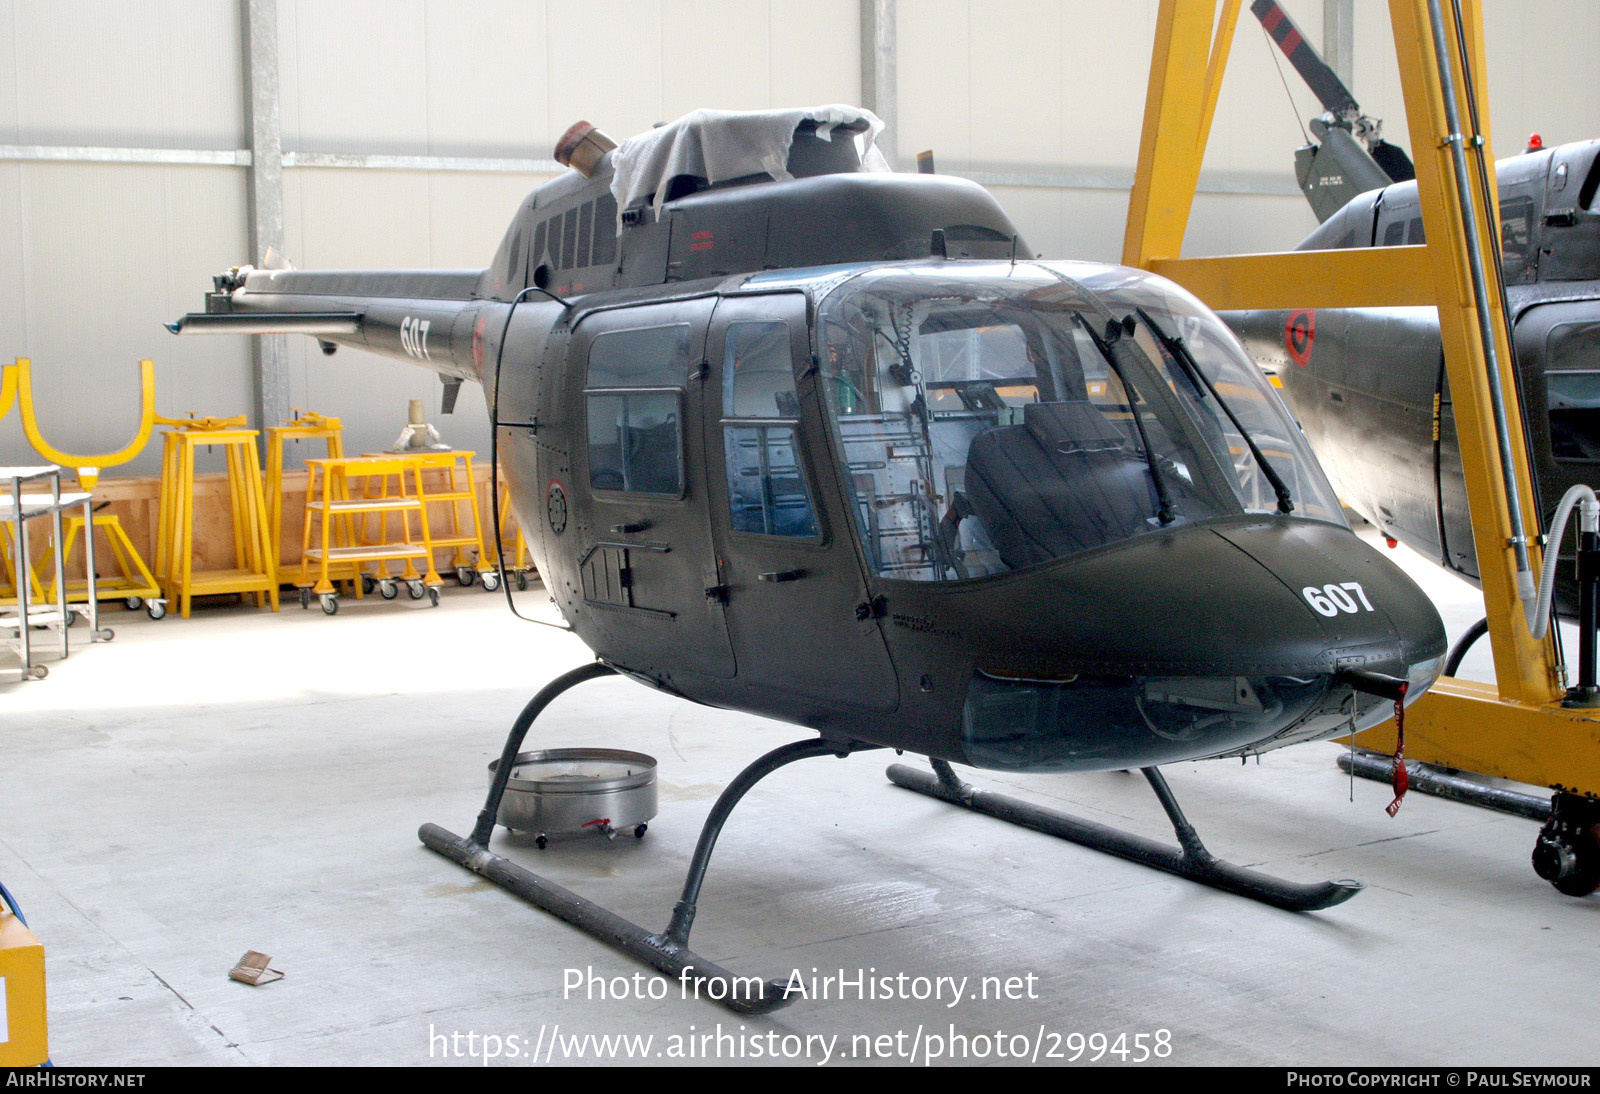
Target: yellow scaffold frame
1515 728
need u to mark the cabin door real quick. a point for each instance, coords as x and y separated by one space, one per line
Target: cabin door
645 553
797 605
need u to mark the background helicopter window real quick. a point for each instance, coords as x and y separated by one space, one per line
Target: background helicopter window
990 422
635 434
767 491
1572 392
1516 237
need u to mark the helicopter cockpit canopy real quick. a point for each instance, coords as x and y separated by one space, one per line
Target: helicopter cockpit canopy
994 417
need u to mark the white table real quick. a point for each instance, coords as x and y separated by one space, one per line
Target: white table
16 509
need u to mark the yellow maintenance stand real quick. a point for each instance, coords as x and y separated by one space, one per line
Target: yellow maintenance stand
24 1039
1515 728
8 566
328 546
255 567
305 426
133 581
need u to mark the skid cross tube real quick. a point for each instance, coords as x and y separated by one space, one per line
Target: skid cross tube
1191 860
519 730
667 952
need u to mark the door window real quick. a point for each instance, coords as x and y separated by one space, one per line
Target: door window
767 493
634 401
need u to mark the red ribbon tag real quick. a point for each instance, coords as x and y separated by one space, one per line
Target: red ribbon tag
1402 780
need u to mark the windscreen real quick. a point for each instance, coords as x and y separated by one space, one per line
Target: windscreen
996 417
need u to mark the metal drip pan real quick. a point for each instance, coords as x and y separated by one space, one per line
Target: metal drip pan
569 791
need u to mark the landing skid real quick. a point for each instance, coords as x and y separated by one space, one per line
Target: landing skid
1190 859
666 951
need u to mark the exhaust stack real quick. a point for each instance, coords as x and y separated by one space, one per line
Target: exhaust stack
581 148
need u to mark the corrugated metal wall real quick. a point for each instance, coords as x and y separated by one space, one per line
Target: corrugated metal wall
93 256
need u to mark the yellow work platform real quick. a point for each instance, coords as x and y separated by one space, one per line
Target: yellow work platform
335 510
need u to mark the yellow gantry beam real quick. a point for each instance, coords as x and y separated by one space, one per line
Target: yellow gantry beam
1515 728
1360 278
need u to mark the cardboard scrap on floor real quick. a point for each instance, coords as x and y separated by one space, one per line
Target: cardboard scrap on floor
252 969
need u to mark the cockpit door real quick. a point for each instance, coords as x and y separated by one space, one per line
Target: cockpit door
798 610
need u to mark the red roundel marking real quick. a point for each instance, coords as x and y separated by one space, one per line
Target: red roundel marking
1298 335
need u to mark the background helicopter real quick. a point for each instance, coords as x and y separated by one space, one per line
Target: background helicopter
1368 385
798 437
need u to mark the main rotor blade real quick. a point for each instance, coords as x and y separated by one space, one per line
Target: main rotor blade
1323 81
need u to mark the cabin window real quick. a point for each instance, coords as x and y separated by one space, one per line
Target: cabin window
1572 391
634 403
767 493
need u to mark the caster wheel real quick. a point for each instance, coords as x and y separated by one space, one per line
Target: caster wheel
305 597
491 581
640 830
433 595
466 575
416 590
155 609
368 583
388 590
40 672
541 842
73 617
104 634
134 603
522 580
330 604
1567 854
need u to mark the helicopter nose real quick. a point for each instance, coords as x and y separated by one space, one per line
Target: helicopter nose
1355 609
1210 640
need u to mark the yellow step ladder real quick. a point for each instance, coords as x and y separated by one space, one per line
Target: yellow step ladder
340 493
453 485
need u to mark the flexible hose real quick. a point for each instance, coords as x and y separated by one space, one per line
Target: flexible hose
11 901
1588 521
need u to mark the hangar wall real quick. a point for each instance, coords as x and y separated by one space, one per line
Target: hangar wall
1040 99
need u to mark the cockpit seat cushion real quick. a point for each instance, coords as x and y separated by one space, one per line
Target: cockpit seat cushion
1062 482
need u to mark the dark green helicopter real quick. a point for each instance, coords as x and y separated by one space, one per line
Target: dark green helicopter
797 437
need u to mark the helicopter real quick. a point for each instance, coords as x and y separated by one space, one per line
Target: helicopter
1369 385
795 435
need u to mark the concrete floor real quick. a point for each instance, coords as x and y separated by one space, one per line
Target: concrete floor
243 780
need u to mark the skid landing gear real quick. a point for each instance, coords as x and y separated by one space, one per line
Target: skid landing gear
1190 859
667 951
